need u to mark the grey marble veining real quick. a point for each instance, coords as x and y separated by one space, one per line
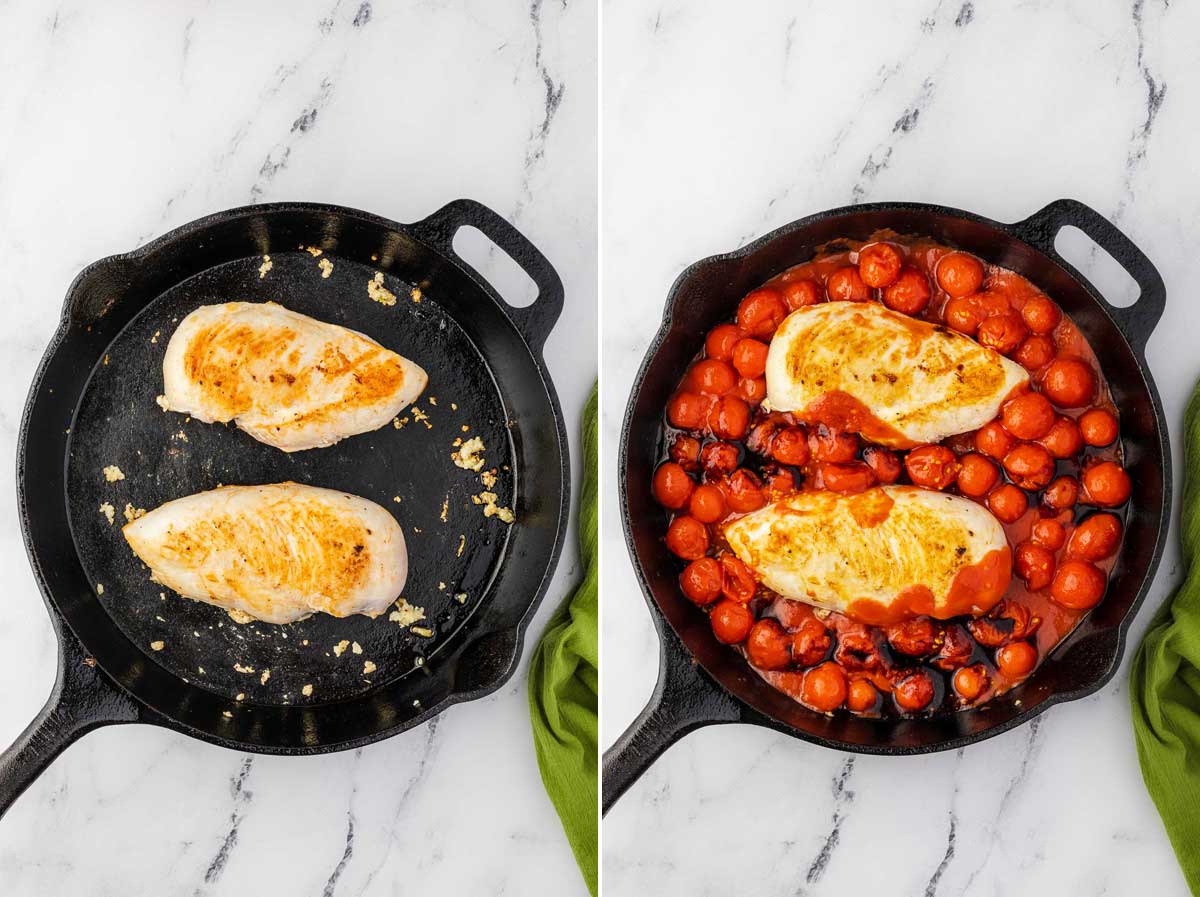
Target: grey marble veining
719 127
121 121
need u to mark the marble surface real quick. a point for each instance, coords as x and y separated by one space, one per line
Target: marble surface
121 121
718 128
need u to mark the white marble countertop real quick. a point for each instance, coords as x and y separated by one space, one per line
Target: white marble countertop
719 127
124 120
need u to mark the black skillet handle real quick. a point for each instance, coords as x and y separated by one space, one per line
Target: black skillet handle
1136 321
535 321
82 700
684 700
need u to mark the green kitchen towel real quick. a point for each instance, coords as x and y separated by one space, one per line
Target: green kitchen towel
564 683
1165 681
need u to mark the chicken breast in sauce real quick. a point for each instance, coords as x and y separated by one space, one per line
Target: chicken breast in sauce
278 553
880 556
897 380
288 380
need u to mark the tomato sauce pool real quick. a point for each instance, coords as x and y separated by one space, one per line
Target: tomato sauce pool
1049 468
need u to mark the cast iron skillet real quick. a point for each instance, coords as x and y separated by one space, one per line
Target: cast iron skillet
92 404
702 682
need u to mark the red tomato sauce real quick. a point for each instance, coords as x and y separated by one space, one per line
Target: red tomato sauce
1039 467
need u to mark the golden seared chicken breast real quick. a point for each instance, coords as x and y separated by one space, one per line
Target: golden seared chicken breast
880 556
288 380
900 381
278 553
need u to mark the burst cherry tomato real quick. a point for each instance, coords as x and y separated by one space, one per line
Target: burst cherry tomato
1095 538
790 446
878 264
976 475
1098 427
672 485
1028 416
1069 383
1040 314
970 682
780 480
1029 466
799 293
687 538
910 292
845 285
1035 352
1061 494
915 637
720 341
832 445
1048 533
744 492
711 377
810 643
1016 660
730 621
1007 502
767 646
685 451
1106 484
729 418
737 579
854 476
914 691
761 312
701 581
753 391
1078 585
1063 440
1002 332
932 466
707 503
750 358
963 314
862 696
959 274
824 687
994 441
993 302
883 463
720 457
1034 564
687 411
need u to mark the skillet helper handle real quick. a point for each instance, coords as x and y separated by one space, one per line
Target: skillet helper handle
1136 321
82 700
536 320
683 700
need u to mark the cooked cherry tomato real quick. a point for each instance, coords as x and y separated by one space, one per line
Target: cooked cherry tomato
854 476
767 646
824 687
832 445
915 637
932 466
956 649
687 411
914 691
1061 494
729 417
720 457
1098 427
1002 332
845 285
721 339
810 643
687 538
1028 416
1048 533
672 486
883 463
685 451
711 377
761 312
993 302
780 480
878 264
862 696
799 293
707 503
744 492
753 391
737 579
1016 660
730 621
1063 440
1034 564
1035 352
1029 466
790 446
959 274
994 441
701 581
1095 538
1106 484
750 357
963 314
1007 502
910 292
1078 585
1069 383
976 475
858 648
970 682
1040 314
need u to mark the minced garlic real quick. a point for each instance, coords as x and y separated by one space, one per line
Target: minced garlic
112 473
108 510
406 614
377 291
470 454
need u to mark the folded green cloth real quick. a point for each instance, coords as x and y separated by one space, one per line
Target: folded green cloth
1165 682
563 684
